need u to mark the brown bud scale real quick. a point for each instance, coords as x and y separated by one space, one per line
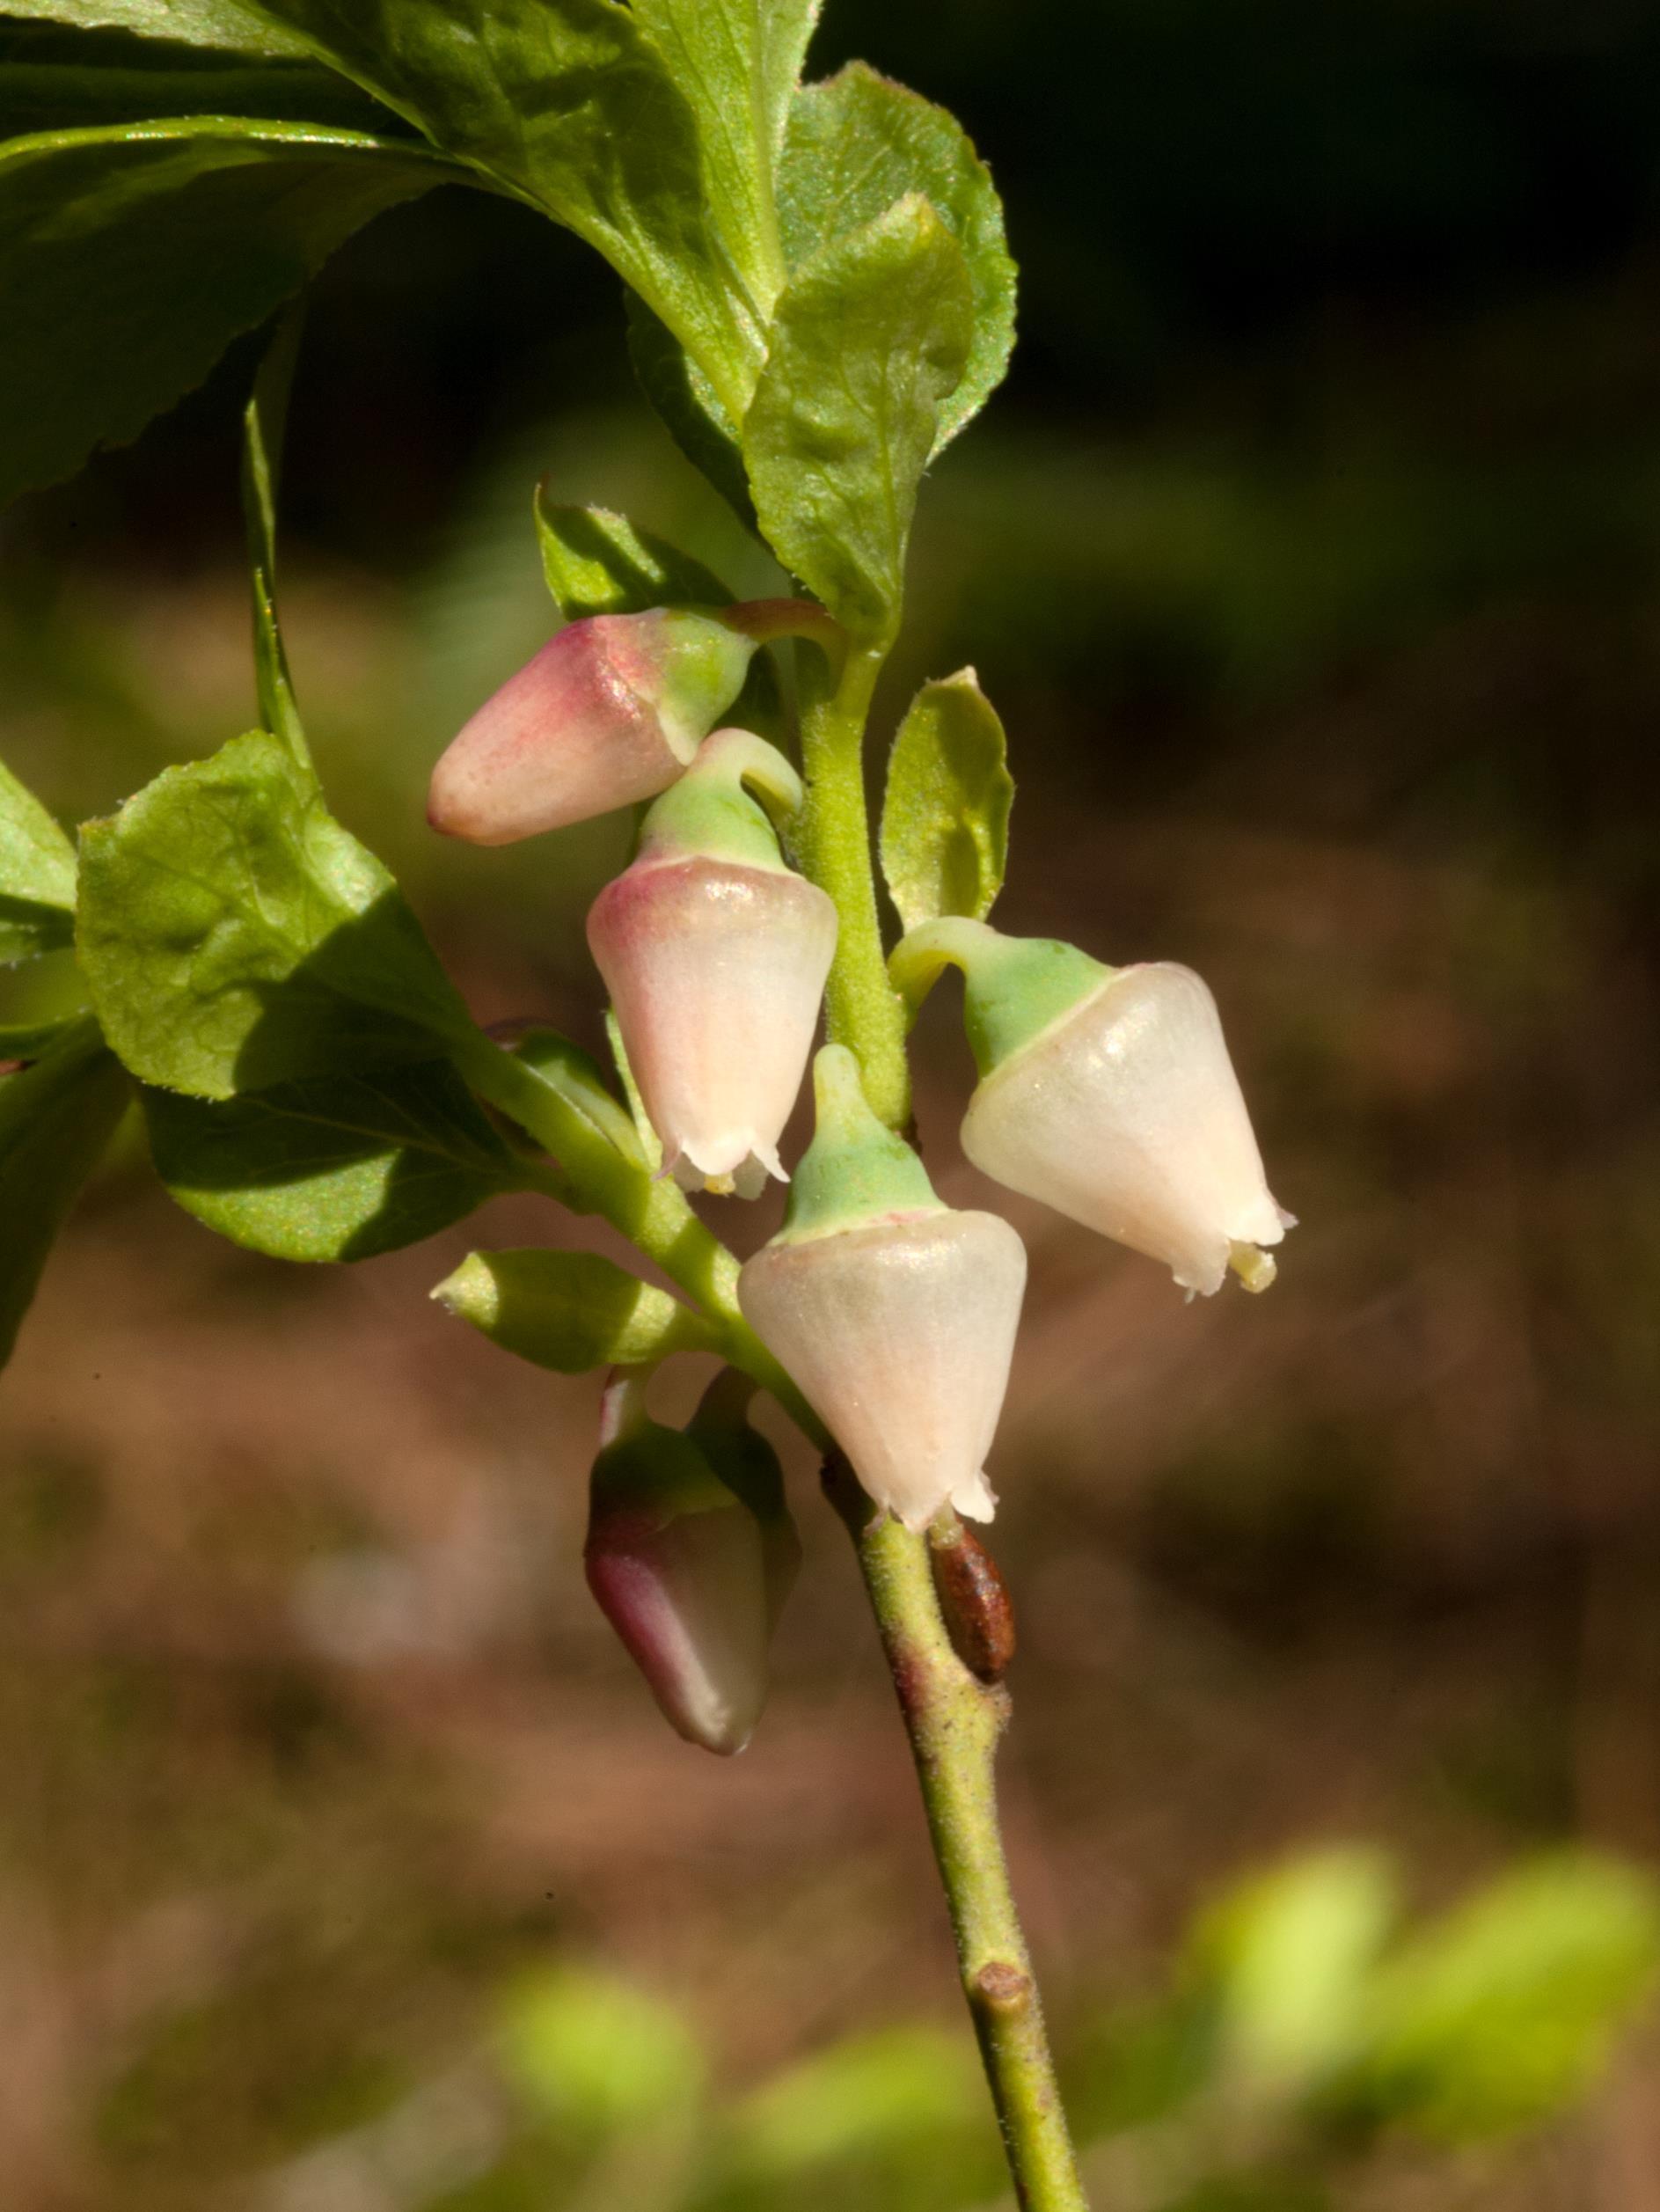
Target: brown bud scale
975 1601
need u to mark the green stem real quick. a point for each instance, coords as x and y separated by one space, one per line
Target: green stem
954 1723
862 1008
953 1720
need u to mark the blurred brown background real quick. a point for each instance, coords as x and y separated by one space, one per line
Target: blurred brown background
1312 556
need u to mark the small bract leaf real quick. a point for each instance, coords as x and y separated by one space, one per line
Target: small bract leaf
131 255
871 338
569 1311
56 1119
945 820
596 562
233 935
340 1167
37 876
859 142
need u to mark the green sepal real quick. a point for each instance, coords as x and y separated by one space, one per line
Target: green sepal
710 815
570 1311
1014 988
944 816
856 1169
739 1454
56 1118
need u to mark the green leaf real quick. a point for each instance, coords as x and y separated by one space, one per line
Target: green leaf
738 62
857 143
23 1041
225 26
54 79
863 2099
264 419
37 876
570 1311
131 256
56 1119
233 935
566 104
1287 1960
871 337
595 2055
1504 2012
340 1167
945 819
596 562
689 407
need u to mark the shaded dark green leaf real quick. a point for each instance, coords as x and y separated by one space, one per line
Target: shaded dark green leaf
233 935
859 142
871 338
686 403
54 79
945 819
569 1311
130 257
340 1167
56 1119
222 25
567 103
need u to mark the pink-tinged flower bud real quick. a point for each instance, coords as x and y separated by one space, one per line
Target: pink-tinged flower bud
715 956
690 1569
608 713
894 1315
1108 1093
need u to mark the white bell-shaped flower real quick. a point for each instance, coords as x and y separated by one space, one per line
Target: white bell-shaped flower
1109 1095
894 1315
715 956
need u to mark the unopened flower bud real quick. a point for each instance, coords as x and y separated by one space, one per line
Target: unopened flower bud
609 711
894 1315
715 955
684 1568
1108 1093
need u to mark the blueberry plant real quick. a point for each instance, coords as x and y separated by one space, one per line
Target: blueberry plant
820 296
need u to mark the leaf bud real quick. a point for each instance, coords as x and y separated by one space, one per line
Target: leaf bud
685 1567
894 1315
715 956
608 713
1108 1093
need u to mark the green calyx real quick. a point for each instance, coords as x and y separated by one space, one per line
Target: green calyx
856 1169
710 810
1014 987
705 660
644 1468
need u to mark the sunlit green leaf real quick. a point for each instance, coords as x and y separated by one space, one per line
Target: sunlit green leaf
1505 2010
868 2095
738 62
566 104
228 25
871 337
130 256
594 2054
233 935
857 143
596 562
339 1168
1287 1960
569 1311
37 876
945 820
56 1119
